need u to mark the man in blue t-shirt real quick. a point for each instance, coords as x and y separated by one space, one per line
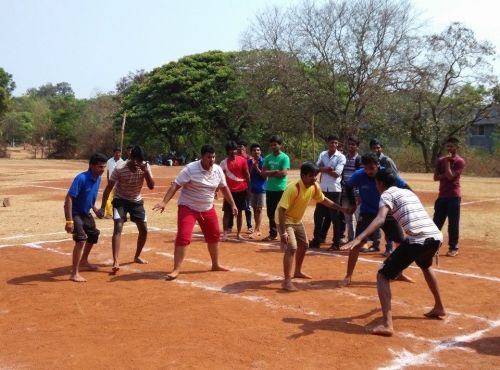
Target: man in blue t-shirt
364 180
257 187
79 200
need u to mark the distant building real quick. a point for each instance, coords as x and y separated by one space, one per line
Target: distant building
481 132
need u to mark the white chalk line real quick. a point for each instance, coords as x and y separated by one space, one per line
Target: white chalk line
267 276
403 358
363 259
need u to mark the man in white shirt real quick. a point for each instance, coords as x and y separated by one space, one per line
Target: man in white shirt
199 180
111 164
422 243
331 164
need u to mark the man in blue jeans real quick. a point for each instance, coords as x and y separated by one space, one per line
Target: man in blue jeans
448 171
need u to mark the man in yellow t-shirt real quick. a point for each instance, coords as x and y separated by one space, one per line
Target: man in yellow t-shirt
289 213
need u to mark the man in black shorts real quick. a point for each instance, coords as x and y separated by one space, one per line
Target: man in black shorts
424 240
127 179
79 200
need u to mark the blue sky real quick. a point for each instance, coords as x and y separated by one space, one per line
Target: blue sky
92 44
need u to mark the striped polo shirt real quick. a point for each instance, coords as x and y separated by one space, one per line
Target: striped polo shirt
410 214
199 185
128 184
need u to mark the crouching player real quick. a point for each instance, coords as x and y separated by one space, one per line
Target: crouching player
422 243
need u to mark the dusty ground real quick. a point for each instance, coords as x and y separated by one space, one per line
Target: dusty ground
237 319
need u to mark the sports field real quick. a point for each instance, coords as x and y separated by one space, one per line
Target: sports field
230 320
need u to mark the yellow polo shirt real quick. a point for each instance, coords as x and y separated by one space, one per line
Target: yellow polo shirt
295 200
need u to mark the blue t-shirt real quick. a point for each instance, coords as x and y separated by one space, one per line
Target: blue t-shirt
257 182
84 190
370 197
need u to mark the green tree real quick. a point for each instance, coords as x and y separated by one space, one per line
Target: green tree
185 103
446 94
7 85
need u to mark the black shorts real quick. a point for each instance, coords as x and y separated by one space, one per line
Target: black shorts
135 209
239 198
407 253
391 228
84 229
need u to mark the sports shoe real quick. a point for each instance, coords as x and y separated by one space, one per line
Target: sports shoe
250 230
334 247
452 253
313 244
387 253
371 249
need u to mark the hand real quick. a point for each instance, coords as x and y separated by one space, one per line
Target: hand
350 245
283 241
99 213
144 166
235 210
69 228
348 210
159 206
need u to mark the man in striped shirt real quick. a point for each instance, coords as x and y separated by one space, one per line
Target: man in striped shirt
127 180
199 180
422 243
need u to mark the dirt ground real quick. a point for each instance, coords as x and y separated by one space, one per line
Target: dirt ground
230 320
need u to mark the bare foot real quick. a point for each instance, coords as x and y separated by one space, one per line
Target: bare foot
435 313
172 276
78 278
116 267
88 266
140 260
301 275
239 237
288 286
403 277
380 330
219 268
345 282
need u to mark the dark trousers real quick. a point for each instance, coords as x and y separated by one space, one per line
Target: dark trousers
448 207
248 216
322 213
272 200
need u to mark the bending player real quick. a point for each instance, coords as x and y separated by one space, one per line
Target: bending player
423 242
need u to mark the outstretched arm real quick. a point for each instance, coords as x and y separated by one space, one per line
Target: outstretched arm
375 224
168 195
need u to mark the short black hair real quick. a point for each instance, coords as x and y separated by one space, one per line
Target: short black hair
207 148
375 142
138 153
332 137
117 150
241 142
255 145
130 146
231 145
369 158
452 140
353 139
98 158
387 177
276 139
309 168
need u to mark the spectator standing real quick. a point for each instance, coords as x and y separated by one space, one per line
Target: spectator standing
275 169
448 171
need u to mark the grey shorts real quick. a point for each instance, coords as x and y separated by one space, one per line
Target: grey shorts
257 200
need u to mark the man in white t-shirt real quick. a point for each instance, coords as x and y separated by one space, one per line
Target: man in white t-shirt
199 180
422 243
111 164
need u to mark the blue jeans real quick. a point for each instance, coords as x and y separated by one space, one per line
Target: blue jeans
448 207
